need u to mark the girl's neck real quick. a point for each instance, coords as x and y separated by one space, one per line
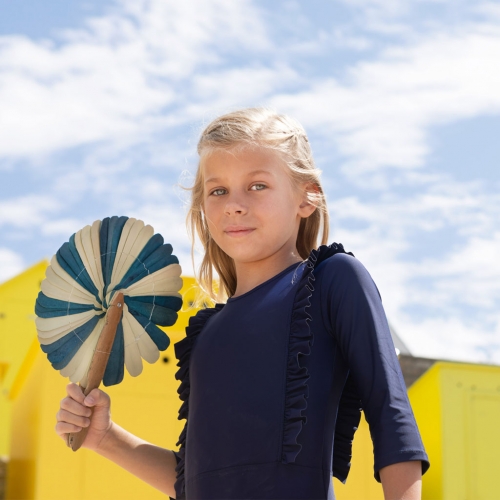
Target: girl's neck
251 274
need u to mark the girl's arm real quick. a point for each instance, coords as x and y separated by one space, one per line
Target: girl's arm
402 481
354 310
152 464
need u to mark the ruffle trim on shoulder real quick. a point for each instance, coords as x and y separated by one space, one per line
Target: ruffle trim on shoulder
300 342
183 350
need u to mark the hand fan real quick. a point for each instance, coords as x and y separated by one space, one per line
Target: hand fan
104 294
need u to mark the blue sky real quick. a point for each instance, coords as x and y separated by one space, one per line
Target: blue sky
101 104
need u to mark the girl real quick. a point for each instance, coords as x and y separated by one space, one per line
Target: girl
272 380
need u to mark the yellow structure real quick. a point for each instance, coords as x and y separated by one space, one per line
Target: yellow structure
17 333
457 407
360 485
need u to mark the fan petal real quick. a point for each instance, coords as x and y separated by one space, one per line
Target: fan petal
60 285
89 252
109 237
159 337
135 236
79 365
47 307
152 311
133 358
114 369
71 261
48 327
61 352
166 281
140 267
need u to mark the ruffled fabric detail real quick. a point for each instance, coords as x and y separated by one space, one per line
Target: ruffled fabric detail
348 417
183 350
300 342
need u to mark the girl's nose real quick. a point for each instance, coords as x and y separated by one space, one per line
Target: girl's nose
234 206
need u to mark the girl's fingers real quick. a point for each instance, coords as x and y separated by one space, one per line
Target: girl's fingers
75 392
73 407
63 428
71 418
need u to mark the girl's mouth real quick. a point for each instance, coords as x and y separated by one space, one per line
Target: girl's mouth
238 231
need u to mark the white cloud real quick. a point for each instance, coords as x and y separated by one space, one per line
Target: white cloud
27 211
11 264
469 275
452 339
379 114
61 227
115 78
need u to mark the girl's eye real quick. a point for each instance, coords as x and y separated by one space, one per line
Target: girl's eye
218 192
258 187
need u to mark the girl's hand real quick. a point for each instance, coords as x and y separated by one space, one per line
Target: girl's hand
75 413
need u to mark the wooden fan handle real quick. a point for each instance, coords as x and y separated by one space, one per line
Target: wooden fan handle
99 361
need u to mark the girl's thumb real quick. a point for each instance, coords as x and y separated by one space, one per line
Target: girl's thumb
94 398
89 401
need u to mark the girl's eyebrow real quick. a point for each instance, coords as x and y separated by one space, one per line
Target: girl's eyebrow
253 172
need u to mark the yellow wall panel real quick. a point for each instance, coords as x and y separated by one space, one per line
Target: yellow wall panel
425 398
17 331
360 484
457 406
471 457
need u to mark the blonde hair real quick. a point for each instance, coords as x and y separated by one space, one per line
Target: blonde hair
259 127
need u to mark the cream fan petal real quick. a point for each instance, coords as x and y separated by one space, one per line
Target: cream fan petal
52 326
133 359
147 347
55 292
51 340
133 247
127 227
131 226
165 281
83 243
130 245
64 287
78 367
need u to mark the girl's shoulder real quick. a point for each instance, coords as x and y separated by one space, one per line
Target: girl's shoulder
331 261
341 271
198 320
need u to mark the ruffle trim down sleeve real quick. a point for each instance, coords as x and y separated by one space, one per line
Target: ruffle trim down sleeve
300 342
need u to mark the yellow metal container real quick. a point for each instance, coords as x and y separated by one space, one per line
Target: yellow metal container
457 407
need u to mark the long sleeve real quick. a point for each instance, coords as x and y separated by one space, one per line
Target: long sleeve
356 318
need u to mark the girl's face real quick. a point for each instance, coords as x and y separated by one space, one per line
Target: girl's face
252 209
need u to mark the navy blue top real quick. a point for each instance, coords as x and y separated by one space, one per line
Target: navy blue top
273 381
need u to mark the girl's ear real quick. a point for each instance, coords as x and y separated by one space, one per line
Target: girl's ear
307 205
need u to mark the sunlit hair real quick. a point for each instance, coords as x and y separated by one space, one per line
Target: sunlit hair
253 127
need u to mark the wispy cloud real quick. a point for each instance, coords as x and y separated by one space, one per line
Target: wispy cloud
380 113
119 78
27 211
11 264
